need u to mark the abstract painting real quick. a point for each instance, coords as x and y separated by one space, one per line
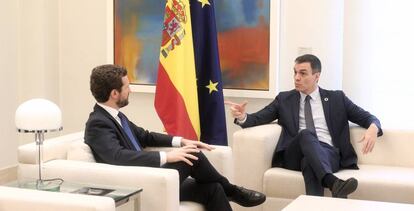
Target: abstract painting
137 38
243 34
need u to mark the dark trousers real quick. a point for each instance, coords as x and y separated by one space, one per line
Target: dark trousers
206 186
314 158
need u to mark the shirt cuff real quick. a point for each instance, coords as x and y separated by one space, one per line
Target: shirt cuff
176 141
240 122
163 158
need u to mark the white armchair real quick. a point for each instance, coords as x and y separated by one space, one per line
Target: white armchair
12 199
67 157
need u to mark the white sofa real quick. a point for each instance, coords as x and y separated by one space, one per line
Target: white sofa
386 174
14 199
67 157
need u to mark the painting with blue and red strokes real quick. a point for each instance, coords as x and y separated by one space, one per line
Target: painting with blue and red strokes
243 28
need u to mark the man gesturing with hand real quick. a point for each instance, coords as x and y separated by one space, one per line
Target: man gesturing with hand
315 130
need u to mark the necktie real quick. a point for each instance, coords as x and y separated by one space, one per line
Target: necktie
127 130
308 115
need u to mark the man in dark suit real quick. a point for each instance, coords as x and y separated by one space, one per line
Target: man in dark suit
115 140
315 130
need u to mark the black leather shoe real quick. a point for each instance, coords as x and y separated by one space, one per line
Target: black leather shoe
247 198
341 189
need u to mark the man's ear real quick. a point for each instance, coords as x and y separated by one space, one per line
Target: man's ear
114 94
318 74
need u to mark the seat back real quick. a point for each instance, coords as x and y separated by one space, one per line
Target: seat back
394 148
54 148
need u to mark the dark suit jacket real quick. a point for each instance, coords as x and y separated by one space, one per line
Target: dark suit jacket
338 110
110 144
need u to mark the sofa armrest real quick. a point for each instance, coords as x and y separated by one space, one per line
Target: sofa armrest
222 159
159 185
25 199
54 148
253 150
394 148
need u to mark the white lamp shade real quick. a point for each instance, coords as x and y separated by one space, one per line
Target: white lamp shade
38 115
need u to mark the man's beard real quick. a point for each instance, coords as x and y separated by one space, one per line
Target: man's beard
122 103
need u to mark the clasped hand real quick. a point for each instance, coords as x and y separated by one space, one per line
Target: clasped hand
184 153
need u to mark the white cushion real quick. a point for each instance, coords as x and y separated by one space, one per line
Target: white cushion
190 206
80 151
381 183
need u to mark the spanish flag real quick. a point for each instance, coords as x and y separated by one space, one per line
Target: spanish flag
176 100
188 106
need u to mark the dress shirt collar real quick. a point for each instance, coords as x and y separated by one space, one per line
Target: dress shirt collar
112 111
314 95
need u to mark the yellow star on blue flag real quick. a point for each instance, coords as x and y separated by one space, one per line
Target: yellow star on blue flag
212 87
204 2
211 106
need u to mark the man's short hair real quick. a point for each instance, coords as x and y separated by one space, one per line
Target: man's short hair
313 60
104 79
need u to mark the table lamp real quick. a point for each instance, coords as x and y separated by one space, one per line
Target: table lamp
39 116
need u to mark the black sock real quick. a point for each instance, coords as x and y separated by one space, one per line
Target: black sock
328 181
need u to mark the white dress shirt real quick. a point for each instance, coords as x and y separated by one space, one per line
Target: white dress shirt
176 142
319 120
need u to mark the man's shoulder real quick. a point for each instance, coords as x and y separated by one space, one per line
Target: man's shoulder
96 124
288 94
97 117
331 92
95 114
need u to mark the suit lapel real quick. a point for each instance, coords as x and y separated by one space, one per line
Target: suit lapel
295 102
99 109
326 108
109 116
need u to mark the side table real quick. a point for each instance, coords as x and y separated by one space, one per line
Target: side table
120 195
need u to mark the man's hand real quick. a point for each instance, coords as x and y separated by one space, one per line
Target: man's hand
369 139
197 144
237 110
183 154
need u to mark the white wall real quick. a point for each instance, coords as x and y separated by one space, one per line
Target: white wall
83 45
38 72
38 47
8 68
316 24
377 59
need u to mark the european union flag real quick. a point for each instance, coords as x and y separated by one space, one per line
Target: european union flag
209 84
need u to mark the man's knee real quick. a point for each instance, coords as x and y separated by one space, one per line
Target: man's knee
200 158
305 136
305 133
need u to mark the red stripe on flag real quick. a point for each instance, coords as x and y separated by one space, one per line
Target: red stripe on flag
171 109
